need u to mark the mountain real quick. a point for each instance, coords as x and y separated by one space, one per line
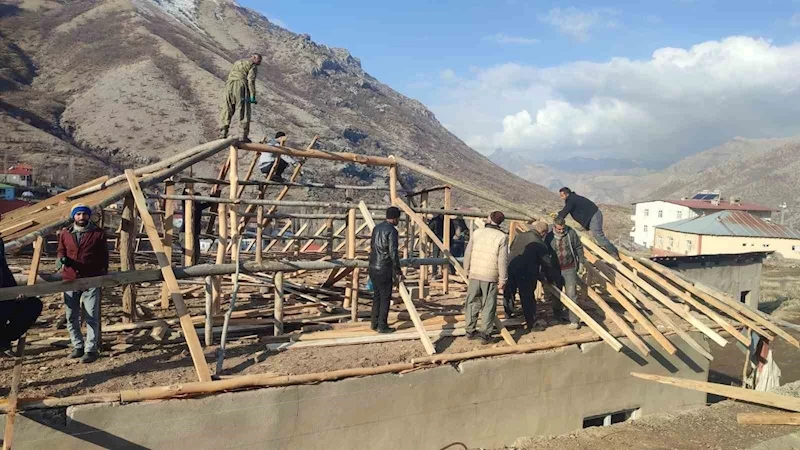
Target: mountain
105 85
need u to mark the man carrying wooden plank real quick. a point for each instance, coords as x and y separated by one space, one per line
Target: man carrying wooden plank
567 258
486 263
16 316
384 268
83 252
588 215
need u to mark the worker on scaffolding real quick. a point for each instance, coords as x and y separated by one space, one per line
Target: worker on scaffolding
588 215
529 262
83 252
384 268
240 92
267 160
17 315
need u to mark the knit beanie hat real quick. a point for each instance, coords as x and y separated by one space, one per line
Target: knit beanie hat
80 207
497 217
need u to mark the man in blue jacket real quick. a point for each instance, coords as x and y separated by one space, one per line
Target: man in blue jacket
588 215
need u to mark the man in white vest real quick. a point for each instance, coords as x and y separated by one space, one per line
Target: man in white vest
485 261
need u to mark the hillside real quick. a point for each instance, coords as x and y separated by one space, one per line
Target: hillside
112 84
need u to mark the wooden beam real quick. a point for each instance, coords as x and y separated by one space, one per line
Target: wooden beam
319 154
189 332
404 294
127 257
169 211
260 233
747 395
655 293
586 318
222 244
768 419
720 305
47 203
317 233
446 252
618 321
279 234
278 282
688 299
189 256
448 203
295 235
351 250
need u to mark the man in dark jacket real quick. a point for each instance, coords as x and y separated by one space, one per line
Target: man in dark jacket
82 253
384 268
458 231
529 261
588 215
567 253
16 316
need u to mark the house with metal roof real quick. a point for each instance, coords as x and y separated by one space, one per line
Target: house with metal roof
652 213
725 232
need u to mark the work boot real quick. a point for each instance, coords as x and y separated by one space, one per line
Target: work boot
245 140
486 339
223 132
76 353
472 335
385 330
89 357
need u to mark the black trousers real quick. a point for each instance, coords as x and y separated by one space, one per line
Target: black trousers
525 286
282 165
381 295
16 317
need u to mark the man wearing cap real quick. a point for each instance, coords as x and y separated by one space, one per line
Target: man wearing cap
486 262
384 268
82 253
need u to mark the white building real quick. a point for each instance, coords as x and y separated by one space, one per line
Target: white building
650 214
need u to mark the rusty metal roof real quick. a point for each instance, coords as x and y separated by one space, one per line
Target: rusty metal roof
731 223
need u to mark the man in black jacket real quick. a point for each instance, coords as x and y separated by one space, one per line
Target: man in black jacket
384 268
528 262
16 316
567 256
588 215
459 234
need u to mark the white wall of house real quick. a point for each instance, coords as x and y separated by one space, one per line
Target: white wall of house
649 215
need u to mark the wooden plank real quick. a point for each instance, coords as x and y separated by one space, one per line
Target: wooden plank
127 257
448 203
169 212
351 250
768 419
222 243
15 228
586 318
260 233
446 252
317 233
278 281
189 256
668 346
280 233
688 299
404 294
737 393
354 295
49 202
295 235
189 332
619 322
655 293
720 305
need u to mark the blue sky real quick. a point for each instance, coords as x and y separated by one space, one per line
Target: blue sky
443 52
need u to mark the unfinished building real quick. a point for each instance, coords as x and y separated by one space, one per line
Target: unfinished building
278 307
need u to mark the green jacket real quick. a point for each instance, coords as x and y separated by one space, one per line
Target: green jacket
242 70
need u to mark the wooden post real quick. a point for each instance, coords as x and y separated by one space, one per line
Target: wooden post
448 203
278 281
351 250
187 326
512 231
188 234
233 172
423 250
127 232
354 299
329 244
209 325
260 234
169 211
392 183
221 250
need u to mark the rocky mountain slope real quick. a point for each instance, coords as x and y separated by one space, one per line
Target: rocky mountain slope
117 83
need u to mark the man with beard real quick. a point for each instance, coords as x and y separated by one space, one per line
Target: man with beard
82 253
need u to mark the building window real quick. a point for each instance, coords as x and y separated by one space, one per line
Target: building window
744 296
766 245
679 215
660 213
646 212
744 244
688 246
670 242
645 228
605 420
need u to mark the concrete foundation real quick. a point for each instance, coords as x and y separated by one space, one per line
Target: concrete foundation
480 403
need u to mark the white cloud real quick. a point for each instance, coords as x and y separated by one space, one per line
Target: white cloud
677 102
504 39
579 24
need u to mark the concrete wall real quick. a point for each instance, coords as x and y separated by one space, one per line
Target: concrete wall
731 277
480 403
788 248
669 242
